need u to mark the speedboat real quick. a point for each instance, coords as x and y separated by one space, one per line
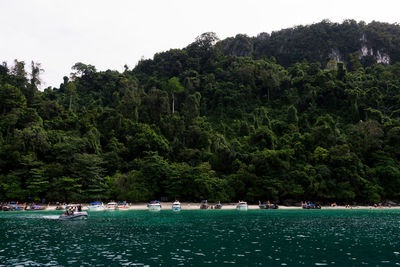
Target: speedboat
122 206
71 215
176 206
112 206
241 205
154 205
96 206
218 206
204 205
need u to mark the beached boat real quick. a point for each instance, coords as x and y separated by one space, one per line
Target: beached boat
154 205
176 206
96 206
122 206
218 206
309 205
34 207
241 205
204 205
267 205
71 215
112 206
14 206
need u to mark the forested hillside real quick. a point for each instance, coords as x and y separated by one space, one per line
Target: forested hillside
284 120
349 42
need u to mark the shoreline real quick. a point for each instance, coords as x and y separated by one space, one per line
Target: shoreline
232 206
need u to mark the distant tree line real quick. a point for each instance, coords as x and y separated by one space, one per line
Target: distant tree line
202 123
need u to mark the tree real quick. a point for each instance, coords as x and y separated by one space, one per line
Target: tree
10 97
70 89
87 167
174 87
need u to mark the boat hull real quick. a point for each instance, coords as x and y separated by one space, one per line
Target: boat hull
177 208
75 216
243 208
154 207
96 208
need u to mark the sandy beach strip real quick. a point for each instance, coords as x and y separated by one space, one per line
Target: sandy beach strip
232 206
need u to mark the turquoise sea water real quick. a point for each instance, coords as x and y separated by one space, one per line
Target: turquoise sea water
203 237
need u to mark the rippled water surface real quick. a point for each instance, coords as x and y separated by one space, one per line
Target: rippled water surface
203 237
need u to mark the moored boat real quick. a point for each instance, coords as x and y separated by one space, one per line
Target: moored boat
242 205
122 206
112 206
14 206
176 206
267 205
262 205
310 205
34 207
204 205
96 206
218 206
154 205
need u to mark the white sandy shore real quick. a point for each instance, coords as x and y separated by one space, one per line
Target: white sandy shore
231 206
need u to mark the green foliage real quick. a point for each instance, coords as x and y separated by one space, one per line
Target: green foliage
242 118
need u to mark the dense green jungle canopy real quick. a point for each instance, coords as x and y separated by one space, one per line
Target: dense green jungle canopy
303 113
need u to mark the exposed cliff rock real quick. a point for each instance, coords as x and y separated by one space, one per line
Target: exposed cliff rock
375 42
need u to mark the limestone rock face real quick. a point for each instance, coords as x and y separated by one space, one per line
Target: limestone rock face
321 42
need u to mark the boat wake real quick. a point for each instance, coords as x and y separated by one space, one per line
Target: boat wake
51 217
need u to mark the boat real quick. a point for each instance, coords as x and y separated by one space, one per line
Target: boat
112 206
36 207
218 206
204 205
262 205
14 206
176 206
96 206
154 205
241 205
267 205
309 205
72 215
122 206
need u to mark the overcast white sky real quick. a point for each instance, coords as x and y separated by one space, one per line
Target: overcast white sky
109 34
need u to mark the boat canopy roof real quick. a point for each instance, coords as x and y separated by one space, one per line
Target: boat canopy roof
155 201
95 203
